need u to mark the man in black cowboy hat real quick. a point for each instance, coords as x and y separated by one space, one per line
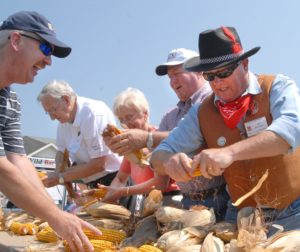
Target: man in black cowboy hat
248 127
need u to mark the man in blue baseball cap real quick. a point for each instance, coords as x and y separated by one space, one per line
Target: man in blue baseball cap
27 42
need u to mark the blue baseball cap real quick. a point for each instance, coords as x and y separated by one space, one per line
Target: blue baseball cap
32 21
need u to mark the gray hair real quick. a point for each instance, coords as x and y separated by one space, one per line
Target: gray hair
131 97
57 89
4 34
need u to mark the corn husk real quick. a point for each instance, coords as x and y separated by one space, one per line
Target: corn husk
203 217
152 202
146 232
212 244
166 214
190 248
177 238
225 231
287 241
45 247
106 210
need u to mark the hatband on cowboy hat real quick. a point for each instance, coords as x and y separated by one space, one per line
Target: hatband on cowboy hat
218 48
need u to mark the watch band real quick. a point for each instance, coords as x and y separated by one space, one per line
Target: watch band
150 140
61 179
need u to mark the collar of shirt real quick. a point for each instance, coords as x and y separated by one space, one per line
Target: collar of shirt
253 88
198 96
79 103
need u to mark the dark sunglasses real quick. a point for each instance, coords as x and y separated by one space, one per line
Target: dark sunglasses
45 47
222 74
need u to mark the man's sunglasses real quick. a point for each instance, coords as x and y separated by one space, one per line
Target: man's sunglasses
45 47
221 74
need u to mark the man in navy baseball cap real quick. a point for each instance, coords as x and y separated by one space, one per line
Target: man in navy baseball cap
36 23
27 42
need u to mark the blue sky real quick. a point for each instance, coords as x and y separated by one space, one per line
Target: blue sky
118 43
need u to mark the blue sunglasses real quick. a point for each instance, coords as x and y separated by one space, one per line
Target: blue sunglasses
45 47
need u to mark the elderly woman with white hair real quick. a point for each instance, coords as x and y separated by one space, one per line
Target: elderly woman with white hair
132 109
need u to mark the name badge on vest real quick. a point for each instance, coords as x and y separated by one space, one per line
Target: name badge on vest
255 126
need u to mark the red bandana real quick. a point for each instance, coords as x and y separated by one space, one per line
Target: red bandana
233 112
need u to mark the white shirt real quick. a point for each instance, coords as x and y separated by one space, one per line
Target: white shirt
83 138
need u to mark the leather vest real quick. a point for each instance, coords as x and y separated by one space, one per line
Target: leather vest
282 186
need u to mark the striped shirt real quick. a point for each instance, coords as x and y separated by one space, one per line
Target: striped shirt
10 126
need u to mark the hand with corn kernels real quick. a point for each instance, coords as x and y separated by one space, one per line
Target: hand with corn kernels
113 193
213 161
70 228
128 141
178 167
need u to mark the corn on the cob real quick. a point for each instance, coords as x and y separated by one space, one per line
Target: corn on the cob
137 157
129 249
42 174
32 228
99 246
197 172
92 196
18 228
47 235
87 204
99 193
149 248
111 235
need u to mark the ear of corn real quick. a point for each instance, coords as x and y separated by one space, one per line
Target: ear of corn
99 193
18 228
137 156
42 174
99 246
129 249
149 248
111 235
23 228
197 172
47 235
32 228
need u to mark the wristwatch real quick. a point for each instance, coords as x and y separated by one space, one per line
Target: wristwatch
61 179
149 140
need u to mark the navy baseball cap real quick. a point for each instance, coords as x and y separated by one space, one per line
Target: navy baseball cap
32 21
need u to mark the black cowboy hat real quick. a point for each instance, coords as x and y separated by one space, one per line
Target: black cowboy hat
218 48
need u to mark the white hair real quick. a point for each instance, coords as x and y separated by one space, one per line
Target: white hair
57 89
133 98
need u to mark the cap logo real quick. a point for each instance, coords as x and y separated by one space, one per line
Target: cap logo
172 55
50 26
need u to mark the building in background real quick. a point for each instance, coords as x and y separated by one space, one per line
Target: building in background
41 152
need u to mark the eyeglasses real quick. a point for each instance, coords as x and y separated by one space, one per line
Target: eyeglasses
45 47
54 108
127 119
221 74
